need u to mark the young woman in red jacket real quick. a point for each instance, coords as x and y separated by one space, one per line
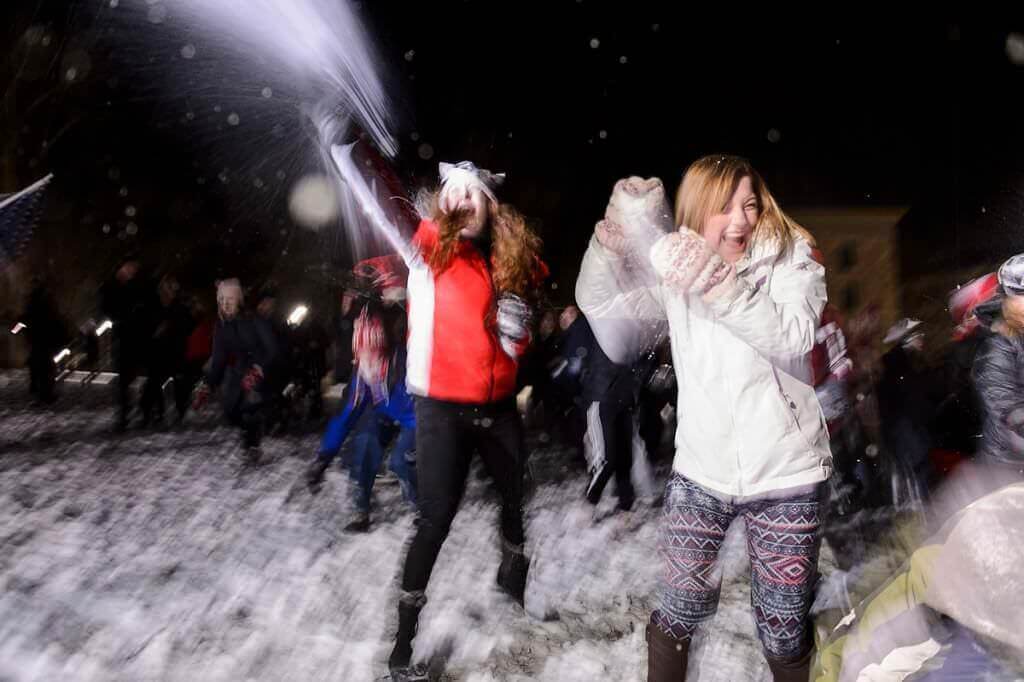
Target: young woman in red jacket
473 266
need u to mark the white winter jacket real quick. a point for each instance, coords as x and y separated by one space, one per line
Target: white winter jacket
749 421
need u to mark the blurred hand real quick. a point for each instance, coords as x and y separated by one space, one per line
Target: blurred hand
200 396
513 321
636 216
252 378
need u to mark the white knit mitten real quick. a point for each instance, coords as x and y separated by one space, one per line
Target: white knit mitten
636 216
686 263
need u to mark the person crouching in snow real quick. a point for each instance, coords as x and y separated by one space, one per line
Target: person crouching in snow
743 297
242 347
378 385
476 263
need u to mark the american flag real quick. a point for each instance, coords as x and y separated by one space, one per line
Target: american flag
18 215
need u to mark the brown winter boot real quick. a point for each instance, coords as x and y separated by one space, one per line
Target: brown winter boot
666 656
789 670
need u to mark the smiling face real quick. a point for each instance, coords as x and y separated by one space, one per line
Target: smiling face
728 230
723 199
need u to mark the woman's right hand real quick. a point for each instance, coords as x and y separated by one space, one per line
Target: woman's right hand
636 215
610 235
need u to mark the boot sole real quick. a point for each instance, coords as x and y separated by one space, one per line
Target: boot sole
414 674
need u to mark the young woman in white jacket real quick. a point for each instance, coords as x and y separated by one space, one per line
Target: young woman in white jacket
742 297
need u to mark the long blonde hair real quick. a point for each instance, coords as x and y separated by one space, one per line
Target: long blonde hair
708 185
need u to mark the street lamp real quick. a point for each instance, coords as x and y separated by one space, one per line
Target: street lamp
298 315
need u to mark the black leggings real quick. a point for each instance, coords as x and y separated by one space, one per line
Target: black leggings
447 435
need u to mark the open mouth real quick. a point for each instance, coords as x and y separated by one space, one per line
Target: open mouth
736 240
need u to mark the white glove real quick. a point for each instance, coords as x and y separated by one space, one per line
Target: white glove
636 216
513 320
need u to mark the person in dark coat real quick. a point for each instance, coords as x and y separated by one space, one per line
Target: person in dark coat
905 403
566 370
242 347
610 395
958 414
128 299
278 375
46 335
166 358
999 372
309 341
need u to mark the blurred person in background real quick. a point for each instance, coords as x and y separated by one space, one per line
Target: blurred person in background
280 373
348 310
129 301
166 356
999 372
958 414
198 345
906 407
242 346
47 334
378 386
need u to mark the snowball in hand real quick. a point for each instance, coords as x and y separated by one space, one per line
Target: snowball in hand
313 201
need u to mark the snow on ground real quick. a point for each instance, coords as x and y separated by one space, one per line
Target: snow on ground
161 556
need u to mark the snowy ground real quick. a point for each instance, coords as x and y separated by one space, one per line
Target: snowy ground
160 556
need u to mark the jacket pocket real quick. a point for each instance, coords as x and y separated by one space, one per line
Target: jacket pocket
808 420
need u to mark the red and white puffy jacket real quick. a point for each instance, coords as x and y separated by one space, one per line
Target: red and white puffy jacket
454 352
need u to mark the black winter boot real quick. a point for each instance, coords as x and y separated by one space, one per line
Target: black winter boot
315 473
791 670
360 523
512 571
409 607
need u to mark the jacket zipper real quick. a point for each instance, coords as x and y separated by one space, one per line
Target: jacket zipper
493 341
735 434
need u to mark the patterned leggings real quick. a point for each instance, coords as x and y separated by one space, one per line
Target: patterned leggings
782 541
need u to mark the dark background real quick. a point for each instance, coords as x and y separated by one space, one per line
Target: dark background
855 109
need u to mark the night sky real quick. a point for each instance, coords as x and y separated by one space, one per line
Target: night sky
859 109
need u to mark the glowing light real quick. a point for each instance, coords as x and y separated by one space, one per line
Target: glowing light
298 315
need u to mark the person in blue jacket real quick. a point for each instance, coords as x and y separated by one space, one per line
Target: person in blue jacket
375 399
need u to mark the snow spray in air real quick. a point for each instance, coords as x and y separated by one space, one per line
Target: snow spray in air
323 45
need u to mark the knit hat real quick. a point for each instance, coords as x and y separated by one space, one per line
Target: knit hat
385 276
464 176
1011 275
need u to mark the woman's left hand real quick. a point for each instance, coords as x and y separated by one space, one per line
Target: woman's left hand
687 263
